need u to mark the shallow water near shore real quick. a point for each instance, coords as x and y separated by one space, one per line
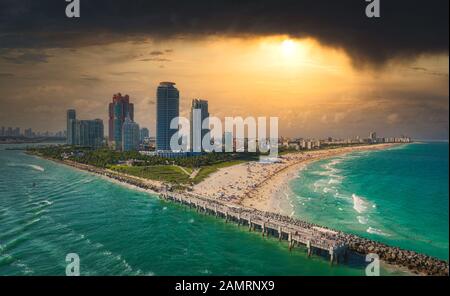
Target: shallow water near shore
398 196
48 210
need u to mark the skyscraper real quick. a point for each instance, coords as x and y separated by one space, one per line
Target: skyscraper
28 133
167 108
130 135
144 134
118 111
89 133
196 132
71 120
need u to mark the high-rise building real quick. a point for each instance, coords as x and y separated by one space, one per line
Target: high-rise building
89 133
2 131
119 109
71 121
130 135
167 108
144 134
28 133
373 137
199 109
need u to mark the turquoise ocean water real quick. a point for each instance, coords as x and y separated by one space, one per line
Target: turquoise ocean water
121 231
398 196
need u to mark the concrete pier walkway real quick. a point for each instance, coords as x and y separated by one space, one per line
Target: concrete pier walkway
284 228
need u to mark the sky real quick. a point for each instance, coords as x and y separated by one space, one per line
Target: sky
322 67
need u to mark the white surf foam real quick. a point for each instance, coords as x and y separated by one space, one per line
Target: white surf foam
37 167
359 204
362 220
376 231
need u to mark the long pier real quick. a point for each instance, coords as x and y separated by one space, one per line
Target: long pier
313 238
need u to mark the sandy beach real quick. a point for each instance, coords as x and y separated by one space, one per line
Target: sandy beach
264 186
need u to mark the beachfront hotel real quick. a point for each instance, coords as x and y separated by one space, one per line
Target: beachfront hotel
197 133
119 109
167 108
89 133
130 135
86 133
71 118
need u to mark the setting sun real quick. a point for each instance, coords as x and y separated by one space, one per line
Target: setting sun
289 47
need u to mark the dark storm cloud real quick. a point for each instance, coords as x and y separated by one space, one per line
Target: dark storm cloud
27 58
406 27
427 71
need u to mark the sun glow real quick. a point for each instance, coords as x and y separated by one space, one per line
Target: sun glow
289 47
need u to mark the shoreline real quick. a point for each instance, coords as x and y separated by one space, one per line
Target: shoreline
262 185
277 190
391 257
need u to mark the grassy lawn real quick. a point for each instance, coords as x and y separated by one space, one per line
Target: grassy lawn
173 174
166 173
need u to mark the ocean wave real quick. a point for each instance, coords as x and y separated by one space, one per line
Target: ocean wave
42 203
376 231
362 220
33 166
23 267
47 202
335 181
205 271
36 167
326 190
359 204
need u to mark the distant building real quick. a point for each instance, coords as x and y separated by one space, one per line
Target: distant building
119 109
167 108
144 134
130 135
317 144
71 121
28 133
302 144
89 133
197 137
2 131
373 137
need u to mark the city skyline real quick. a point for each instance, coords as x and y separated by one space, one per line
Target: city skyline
318 84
